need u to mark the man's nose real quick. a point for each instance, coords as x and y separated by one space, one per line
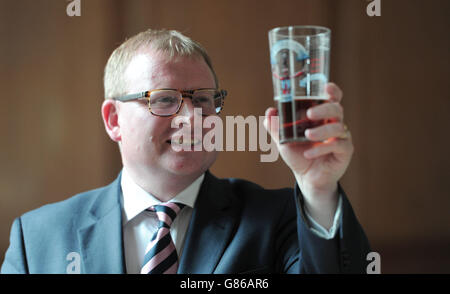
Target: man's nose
187 109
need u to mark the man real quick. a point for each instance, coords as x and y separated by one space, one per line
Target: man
166 213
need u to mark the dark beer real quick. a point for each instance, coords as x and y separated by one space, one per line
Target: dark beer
293 119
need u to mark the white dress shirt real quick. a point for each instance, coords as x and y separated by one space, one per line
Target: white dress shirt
139 225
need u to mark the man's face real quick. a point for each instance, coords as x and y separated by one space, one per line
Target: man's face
145 138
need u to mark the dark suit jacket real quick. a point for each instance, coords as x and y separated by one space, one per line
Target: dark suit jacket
236 227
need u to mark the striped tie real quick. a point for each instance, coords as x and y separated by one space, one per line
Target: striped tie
160 254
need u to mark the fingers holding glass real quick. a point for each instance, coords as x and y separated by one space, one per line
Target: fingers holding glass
327 131
335 93
330 110
337 147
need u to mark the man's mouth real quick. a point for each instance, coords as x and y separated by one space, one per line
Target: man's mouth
185 141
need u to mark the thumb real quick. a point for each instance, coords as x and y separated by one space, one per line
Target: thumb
271 123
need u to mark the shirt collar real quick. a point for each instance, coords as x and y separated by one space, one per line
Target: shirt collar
135 199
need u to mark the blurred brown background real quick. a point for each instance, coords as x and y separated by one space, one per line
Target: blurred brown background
394 70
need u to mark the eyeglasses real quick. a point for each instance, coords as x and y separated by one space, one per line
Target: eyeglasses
168 102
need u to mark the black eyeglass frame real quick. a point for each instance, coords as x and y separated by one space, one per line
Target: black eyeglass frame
184 94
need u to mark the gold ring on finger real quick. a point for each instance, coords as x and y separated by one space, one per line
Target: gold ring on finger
345 134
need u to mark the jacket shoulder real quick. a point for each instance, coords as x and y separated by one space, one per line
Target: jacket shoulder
63 212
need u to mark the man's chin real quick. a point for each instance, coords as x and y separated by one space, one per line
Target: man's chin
186 170
189 163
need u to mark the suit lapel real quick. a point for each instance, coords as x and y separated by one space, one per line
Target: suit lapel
100 237
211 226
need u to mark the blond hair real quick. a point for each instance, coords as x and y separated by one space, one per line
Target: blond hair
171 42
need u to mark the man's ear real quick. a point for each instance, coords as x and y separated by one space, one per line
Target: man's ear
111 119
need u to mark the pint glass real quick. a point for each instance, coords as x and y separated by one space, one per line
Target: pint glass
299 56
